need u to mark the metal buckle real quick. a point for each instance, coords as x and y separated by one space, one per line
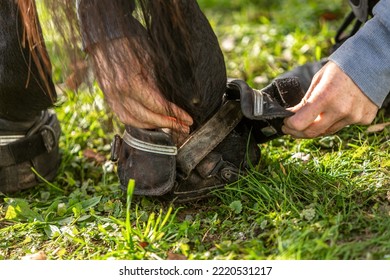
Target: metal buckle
49 137
115 148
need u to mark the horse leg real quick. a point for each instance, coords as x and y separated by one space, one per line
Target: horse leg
28 132
178 50
22 92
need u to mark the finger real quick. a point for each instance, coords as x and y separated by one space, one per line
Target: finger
297 107
325 124
337 127
309 108
304 116
322 124
294 133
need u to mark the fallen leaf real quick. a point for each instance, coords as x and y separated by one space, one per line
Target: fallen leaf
302 156
329 16
377 127
283 169
173 256
37 256
143 244
94 156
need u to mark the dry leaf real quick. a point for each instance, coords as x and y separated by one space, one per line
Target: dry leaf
143 244
173 256
329 16
37 256
92 155
377 127
283 169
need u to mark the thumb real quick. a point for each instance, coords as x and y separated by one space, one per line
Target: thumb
297 107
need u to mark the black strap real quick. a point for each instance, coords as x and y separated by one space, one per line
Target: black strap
340 36
208 136
28 147
361 11
362 8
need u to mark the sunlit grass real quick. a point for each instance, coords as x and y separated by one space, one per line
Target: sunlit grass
326 198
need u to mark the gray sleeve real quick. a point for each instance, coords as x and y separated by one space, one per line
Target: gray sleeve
365 57
103 20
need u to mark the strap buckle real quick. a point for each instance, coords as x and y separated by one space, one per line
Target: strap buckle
49 137
41 138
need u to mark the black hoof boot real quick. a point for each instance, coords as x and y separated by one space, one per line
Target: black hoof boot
214 155
25 146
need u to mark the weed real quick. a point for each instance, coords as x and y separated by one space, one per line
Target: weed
325 198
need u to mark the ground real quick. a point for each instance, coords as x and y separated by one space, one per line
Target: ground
326 198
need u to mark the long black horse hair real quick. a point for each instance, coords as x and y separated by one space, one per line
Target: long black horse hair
171 41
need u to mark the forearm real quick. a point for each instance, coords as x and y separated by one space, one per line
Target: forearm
365 57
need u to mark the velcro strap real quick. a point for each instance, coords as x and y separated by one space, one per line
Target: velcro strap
7 139
208 136
261 104
28 147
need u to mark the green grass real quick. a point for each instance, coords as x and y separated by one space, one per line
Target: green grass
326 198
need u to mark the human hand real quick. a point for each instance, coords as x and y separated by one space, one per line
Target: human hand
131 92
332 102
